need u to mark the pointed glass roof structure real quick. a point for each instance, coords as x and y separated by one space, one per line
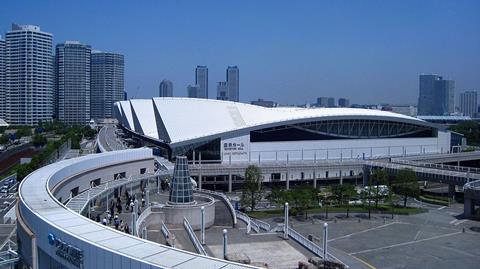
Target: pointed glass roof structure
181 191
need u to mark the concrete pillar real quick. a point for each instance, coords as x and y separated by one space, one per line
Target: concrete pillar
468 208
200 181
230 182
287 180
341 178
314 180
451 190
366 175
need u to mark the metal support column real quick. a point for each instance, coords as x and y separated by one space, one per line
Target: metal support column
285 222
225 244
202 234
230 182
325 241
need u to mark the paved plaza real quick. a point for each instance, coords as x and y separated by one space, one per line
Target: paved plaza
436 239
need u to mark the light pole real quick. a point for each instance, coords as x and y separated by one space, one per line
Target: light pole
224 244
285 225
325 238
202 237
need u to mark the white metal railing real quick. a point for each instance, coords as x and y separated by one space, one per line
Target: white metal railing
143 216
316 249
255 224
439 166
262 224
101 189
223 197
473 185
193 237
165 231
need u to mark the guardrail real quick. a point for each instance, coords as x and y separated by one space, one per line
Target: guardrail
316 249
165 231
147 211
474 185
255 224
438 166
250 223
222 197
193 237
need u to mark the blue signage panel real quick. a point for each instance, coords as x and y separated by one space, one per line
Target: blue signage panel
67 252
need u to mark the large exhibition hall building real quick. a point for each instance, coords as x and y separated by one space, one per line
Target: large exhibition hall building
224 132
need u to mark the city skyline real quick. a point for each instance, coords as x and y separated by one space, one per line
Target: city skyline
298 63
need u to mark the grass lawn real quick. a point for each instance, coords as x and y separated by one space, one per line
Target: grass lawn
385 209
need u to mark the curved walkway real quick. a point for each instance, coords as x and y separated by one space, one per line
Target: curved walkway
101 246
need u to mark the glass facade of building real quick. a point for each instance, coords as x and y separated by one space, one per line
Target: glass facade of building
72 83
341 129
29 75
181 191
107 83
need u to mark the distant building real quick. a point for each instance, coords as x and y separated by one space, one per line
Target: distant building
193 91
222 90
468 103
233 83
407 110
165 88
125 95
343 102
201 79
436 95
326 102
3 86
29 76
264 103
107 83
72 83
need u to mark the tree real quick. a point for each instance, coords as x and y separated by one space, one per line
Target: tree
348 192
39 140
471 130
4 139
252 191
406 185
379 177
326 197
302 198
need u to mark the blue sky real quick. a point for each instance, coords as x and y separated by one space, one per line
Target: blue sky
288 51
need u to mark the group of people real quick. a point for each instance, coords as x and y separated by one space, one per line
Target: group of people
115 208
116 221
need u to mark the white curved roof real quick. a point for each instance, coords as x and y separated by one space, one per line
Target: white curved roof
187 119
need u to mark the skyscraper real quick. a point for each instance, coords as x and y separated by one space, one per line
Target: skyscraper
468 103
201 79
233 83
2 79
222 90
436 95
326 102
343 102
107 83
29 75
165 89
72 82
193 91
444 97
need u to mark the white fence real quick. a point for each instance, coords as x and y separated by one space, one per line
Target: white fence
222 197
193 237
